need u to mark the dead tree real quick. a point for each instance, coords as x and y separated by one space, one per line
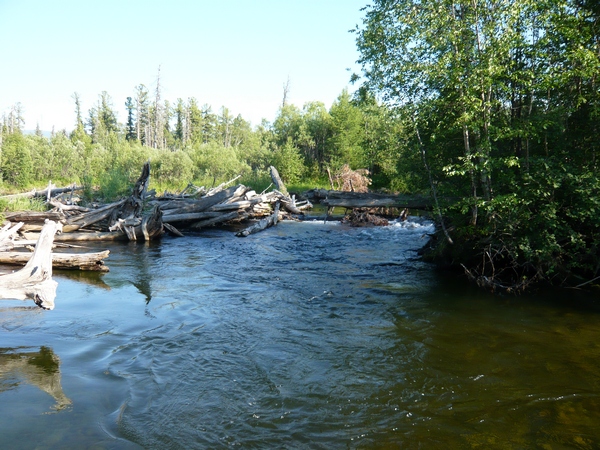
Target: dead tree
34 281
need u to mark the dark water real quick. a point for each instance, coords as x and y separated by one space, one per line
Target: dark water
307 335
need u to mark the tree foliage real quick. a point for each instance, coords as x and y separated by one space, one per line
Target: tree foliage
501 99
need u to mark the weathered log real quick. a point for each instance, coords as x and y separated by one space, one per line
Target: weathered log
62 207
220 187
261 224
235 215
243 204
34 216
92 217
51 192
239 200
202 204
34 281
190 217
278 182
150 227
7 234
133 205
289 203
171 229
85 236
349 200
92 261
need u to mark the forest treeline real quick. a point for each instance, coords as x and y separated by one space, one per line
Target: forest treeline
491 107
187 142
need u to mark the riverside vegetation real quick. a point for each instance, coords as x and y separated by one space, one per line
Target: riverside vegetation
492 109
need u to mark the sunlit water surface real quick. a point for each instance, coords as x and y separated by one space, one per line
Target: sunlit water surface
306 335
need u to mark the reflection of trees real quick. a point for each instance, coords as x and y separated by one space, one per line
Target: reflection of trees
143 255
38 368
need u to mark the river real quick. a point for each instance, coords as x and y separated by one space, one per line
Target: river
308 335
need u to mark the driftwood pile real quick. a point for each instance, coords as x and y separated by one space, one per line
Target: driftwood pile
141 216
232 205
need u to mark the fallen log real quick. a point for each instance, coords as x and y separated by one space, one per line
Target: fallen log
7 234
174 218
45 193
235 215
84 236
261 224
133 205
33 216
202 204
279 185
34 281
289 203
91 217
149 228
351 200
92 261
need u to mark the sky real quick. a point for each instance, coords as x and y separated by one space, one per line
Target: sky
233 53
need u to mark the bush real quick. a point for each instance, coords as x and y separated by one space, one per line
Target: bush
217 161
172 167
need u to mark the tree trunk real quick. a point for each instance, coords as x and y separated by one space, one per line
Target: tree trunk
34 281
78 261
261 224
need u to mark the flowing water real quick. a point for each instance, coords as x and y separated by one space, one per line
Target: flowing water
307 335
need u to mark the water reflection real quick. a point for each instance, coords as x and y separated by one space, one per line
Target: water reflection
39 368
89 278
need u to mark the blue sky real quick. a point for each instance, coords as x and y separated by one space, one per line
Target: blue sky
233 53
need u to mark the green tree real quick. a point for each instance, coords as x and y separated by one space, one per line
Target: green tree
180 119
102 121
315 134
345 145
42 157
142 114
289 162
67 164
16 162
287 125
79 133
209 124
501 100
130 133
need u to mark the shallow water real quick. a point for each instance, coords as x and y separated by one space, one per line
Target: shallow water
306 335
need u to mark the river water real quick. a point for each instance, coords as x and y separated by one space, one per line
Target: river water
307 335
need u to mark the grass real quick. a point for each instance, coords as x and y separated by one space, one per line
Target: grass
22 204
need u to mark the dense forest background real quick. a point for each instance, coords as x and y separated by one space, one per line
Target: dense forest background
491 107
187 142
